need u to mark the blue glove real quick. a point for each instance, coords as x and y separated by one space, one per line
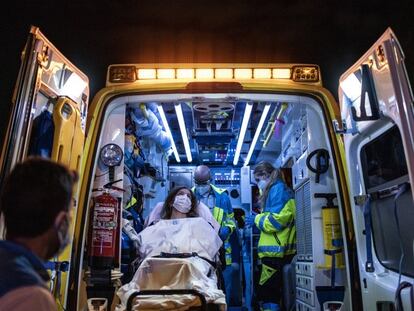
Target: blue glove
224 233
249 220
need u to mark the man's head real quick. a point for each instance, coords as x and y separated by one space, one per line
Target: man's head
36 200
202 178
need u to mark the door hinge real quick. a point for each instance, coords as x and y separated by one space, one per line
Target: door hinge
343 129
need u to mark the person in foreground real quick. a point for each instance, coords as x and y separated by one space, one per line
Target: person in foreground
35 206
277 242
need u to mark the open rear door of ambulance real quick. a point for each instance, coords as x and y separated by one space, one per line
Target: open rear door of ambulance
48 119
378 126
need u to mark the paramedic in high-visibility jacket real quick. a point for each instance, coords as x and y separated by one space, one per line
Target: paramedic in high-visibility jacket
277 242
219 204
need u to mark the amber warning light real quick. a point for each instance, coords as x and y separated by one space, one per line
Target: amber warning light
132 73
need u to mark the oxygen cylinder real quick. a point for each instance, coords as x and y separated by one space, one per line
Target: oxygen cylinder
332 234
103 235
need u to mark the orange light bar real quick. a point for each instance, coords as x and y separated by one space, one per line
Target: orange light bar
204 73
165 73
281 73
147 74
222 73
243 73
262 73
185 73
129 73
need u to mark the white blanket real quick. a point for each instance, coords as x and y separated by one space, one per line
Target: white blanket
185 235
172 273
175 236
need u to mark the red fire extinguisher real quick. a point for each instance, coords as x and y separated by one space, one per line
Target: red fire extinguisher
104 219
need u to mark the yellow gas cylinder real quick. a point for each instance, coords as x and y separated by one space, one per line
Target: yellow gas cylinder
332 234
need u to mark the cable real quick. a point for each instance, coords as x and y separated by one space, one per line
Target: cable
59 300
322 162
402 189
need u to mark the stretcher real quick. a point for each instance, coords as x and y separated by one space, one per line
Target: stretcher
179 270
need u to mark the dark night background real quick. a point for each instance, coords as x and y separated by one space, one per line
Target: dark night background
94 34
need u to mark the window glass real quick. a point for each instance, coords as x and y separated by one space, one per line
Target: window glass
384 166
42 130
383 159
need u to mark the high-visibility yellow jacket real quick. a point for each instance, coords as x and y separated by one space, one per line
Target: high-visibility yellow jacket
277 223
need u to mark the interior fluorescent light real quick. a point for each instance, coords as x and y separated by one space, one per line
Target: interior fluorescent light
246 117
183 130
257 134
167 129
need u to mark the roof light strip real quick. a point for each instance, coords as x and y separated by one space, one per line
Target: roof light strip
181 123
245 122
257 134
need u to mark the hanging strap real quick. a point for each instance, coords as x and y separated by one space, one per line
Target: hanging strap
369 266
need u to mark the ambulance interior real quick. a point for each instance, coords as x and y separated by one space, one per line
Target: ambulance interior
230 133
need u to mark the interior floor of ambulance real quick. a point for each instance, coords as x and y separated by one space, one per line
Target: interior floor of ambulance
285 130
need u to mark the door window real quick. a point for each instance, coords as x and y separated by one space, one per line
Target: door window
384 168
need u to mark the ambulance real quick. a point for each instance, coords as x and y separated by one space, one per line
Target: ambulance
350 166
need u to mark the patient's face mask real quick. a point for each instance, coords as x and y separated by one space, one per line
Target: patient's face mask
182 203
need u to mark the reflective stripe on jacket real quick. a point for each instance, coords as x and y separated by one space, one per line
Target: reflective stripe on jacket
277 223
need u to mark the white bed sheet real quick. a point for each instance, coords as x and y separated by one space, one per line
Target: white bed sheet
175 236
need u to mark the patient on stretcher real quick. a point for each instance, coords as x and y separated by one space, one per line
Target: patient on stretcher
176 253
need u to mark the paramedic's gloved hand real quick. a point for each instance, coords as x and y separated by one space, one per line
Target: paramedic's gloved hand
249 220
224 233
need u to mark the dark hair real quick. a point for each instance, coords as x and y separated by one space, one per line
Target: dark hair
33 195
266 169
168 204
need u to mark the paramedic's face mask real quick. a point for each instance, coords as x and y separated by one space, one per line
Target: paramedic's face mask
182 203
262 181
203 189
